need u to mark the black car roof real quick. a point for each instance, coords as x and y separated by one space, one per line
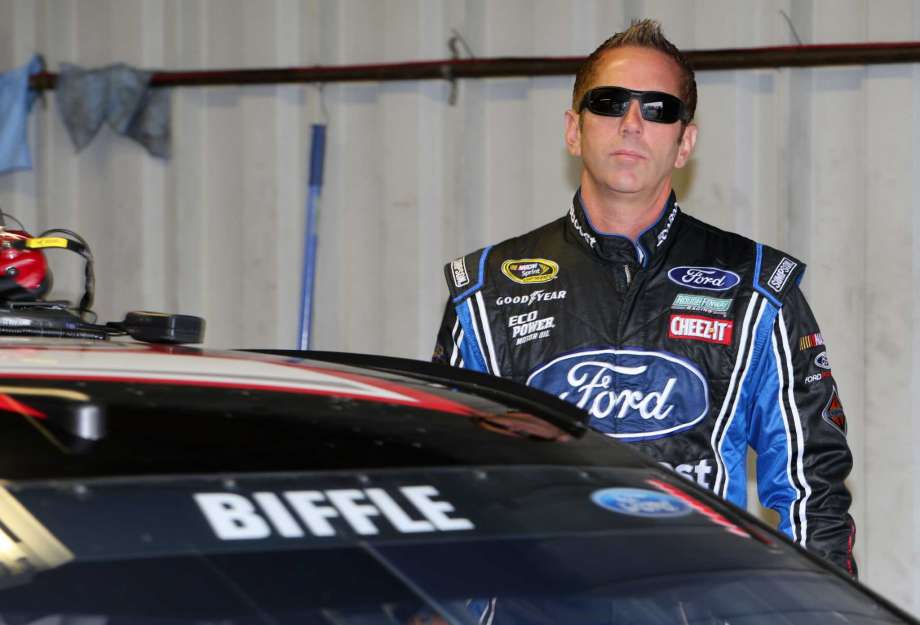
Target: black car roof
78 410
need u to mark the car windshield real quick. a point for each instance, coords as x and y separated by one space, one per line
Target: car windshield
552 580
550 545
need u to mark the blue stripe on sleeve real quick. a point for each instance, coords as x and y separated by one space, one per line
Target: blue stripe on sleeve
768 433
470 348
757 286
734 451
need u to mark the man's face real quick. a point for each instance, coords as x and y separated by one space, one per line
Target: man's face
629 155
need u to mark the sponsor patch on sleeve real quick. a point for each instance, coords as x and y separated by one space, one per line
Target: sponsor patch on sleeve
833 413
817 377
822 361
699 328
810 340
781 274
461 275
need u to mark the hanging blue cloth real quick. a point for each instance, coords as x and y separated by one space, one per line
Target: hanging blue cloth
119 95
16 101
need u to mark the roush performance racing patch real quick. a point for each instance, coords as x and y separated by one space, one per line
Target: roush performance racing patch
702 303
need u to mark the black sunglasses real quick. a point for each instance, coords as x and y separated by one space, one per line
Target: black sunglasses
654 106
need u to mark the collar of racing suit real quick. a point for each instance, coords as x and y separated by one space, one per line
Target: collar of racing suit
616 247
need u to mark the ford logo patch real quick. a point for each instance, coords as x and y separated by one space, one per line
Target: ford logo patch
707 278
630 394
640 502
822 361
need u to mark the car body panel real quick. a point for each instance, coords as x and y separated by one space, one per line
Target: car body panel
171 485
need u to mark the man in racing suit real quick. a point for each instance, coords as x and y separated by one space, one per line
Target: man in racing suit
687 341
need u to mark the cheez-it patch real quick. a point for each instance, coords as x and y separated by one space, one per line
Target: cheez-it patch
699 328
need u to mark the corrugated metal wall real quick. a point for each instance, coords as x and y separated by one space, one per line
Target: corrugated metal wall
821 162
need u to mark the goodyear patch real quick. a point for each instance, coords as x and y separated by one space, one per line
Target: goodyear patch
530 270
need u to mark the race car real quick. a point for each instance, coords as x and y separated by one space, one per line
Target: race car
146 481
152 484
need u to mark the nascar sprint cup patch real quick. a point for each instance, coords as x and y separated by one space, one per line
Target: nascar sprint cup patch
530 270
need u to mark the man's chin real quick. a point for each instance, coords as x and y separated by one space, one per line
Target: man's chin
619 184
625 185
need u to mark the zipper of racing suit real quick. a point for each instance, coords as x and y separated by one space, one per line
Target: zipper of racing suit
623 312
634 275
621 275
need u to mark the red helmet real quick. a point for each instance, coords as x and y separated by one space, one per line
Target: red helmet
24 272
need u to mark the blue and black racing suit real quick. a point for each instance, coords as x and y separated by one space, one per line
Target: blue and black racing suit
691 343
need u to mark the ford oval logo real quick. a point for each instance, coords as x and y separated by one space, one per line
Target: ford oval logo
640 502
707 278
822 361
630 394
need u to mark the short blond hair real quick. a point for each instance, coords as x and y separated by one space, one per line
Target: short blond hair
640 34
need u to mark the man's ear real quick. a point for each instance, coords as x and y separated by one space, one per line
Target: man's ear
685 145
573 132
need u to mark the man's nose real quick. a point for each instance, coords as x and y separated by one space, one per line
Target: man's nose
632 120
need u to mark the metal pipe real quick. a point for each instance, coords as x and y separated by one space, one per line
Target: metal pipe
451 69
314 188
807 56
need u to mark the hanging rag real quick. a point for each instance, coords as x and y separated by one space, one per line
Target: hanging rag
119 95
16 101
